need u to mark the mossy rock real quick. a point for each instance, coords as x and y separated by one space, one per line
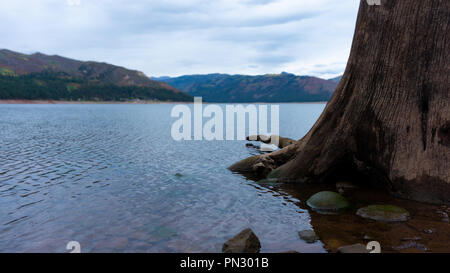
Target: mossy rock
328 202
384 213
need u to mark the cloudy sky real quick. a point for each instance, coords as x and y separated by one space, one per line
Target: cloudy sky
177 37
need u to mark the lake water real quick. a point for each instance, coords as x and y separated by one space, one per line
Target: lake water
105 176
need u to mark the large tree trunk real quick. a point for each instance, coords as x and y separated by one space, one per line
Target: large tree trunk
388 122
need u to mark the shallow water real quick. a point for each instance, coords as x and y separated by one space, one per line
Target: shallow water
426 230
105 176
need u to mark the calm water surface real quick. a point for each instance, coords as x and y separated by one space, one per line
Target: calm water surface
105 176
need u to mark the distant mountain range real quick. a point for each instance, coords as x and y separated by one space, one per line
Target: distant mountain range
282 87
40 76
43 77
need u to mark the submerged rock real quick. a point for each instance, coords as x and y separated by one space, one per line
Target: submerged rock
245 242
356 248
328 202
308 236
344 187
444 216
412 239
411 245
429 231
385 213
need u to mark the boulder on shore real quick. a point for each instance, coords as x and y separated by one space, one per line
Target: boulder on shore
245 242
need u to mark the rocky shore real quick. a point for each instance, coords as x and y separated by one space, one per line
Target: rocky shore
349 217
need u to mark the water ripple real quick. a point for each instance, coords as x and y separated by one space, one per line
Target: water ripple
104 175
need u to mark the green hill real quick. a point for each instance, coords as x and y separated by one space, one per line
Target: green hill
59 86
39 76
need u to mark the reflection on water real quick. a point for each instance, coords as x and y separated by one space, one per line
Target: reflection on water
106 176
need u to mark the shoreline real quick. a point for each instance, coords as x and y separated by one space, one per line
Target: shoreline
141 102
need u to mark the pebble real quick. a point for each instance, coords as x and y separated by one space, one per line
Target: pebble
430 231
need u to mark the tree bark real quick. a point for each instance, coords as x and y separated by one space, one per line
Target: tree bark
388 123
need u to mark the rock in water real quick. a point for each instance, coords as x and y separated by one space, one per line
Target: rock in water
345 187
444 216
429 230
245 242
268 148
278 141
328 202
411 245
385 213
262 138
356 248
308 236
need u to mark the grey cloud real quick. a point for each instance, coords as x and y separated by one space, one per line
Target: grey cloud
174 37
273 59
